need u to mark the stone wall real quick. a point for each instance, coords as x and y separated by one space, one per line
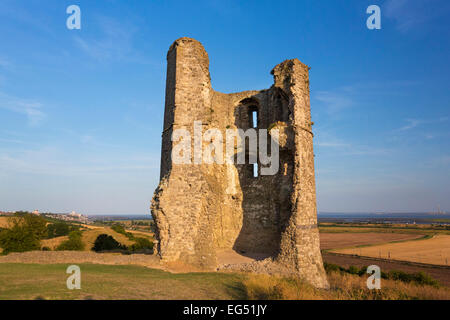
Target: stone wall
200 208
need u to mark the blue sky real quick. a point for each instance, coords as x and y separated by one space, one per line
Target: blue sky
81 110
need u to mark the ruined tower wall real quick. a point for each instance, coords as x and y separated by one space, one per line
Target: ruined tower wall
300 245
184 227
201 209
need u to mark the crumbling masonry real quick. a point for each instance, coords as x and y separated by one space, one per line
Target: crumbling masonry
201 210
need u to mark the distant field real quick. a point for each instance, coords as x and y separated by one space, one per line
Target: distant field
433 251
381 228
347 239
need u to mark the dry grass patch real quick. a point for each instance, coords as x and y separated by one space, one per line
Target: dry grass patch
342 287
89 237
54 242
6 222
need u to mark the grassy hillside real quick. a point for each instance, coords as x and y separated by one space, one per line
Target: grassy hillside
33 281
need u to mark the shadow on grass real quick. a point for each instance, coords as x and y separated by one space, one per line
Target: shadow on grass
236 290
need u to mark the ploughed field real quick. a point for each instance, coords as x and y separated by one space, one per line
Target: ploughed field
346 239
407 250
435 250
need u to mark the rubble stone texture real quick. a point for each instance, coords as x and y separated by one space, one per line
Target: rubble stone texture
203 209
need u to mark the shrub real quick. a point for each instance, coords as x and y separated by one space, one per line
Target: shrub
74 243
353 270
106 242
141 244
419 278
46 249
117 227
330 267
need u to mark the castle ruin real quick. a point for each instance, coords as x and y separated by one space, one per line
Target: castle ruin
202 210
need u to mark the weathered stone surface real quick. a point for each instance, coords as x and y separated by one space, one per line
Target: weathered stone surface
200 209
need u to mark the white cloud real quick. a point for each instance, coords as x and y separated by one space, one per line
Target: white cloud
115 42
335 101
51 161
30 108
413 123
409 14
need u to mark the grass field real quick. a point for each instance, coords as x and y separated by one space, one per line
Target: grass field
48 281
435 250
88 238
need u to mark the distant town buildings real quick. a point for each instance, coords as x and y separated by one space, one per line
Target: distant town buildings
73 217
7 213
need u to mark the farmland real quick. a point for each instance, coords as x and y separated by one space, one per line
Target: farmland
435 250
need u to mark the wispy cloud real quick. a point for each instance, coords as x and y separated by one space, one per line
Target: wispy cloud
114 43
54 162
335 101
338 146
30 108
413 123
409 14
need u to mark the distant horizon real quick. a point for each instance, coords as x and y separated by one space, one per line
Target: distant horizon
81 111
430 213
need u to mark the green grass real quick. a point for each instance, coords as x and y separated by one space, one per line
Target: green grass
38 281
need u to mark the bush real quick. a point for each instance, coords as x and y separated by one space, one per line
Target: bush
106 242
73 244
117 227
419 278
59 229
24 235
46 249
330 267
141 244
353 270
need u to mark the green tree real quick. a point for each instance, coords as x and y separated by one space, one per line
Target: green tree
73 243
58 229
24 234
106 242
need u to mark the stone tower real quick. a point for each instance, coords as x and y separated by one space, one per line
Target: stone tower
204 209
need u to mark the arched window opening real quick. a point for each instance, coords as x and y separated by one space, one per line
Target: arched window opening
255 170
253 116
